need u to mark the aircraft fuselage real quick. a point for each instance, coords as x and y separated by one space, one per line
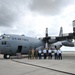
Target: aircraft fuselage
18 44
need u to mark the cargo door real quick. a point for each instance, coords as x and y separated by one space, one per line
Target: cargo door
19 49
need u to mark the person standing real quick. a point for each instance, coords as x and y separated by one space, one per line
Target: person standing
49 54
36 54
32 54
60 54
55 54
29 54
45 53
39 53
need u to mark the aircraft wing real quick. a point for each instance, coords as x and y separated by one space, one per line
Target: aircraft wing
65 37
51 40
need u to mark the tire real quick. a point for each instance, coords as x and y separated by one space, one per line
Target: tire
6 56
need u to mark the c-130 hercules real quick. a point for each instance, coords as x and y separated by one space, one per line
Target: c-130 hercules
11 44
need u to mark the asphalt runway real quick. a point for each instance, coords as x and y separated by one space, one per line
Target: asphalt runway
66 66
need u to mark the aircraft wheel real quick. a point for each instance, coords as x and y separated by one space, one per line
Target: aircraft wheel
6 56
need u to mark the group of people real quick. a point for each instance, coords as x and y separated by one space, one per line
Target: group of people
57 53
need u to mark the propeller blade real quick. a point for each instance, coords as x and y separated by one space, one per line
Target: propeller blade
46 32
46 35
73 26
74 42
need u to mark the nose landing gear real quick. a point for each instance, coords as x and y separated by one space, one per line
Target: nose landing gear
6 56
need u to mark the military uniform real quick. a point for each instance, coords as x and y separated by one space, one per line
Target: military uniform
36 54
50 54
32 54
39 53
29 54
45 53
55 54
60 54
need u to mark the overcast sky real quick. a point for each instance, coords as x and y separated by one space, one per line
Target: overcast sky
31 17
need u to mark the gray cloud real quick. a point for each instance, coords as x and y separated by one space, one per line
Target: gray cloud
9 11
49 7
6 14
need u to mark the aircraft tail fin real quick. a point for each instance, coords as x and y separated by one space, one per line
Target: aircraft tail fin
61 31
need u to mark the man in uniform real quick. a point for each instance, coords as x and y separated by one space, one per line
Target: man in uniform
60 54
29 54
39 53
55 54
32 53
45 53
36 54
49 54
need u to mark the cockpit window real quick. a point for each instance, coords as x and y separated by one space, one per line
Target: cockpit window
5 37
3 42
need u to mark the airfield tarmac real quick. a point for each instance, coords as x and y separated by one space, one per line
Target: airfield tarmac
66 66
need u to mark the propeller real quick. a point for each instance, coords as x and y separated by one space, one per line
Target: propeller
74 31
74 42
46 35
46 39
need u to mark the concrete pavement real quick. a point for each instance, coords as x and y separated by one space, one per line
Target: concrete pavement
21 67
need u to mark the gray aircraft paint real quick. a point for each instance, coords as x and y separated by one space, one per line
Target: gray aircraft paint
13 41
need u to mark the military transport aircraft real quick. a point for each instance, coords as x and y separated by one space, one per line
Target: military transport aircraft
11 44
